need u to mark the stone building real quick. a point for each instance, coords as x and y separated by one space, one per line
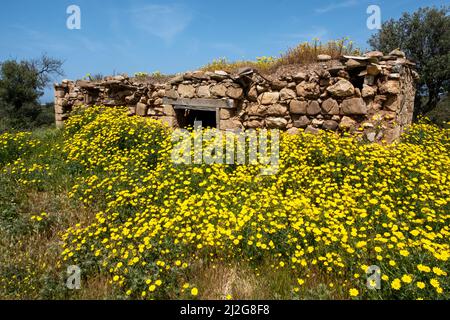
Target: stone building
370 95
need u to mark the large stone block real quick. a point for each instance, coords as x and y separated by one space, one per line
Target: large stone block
330 125
352 64
267 98
168 110
347 123
312 130
298 107
309 90
342 89
354 106
278 85
226 113
219 90
390 87
368 91
302 122
203 92
252 94
293 131
235 92
301 76
172 94
392 134
256 110
276 123
323 57
313 108
330 106
230 124
252 124
287 94
186 91
317 122
276 110
392 103
141 109
373 69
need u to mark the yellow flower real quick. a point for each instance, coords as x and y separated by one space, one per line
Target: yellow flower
439 272
435 283
420 285
396 284
404 253
194 291
423 268
353 292
406 278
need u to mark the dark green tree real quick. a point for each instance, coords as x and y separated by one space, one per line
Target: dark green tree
425 37
21 85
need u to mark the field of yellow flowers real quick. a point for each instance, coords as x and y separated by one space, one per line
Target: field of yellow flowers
105 195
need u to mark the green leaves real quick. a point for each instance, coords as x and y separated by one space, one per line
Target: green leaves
425 37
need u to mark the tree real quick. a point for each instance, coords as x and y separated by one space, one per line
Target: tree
425 37
21 85
46 68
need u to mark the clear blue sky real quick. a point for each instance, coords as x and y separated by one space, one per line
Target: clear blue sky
174 36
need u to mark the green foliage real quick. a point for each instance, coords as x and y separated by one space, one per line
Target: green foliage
425 37
21 85
441 114
95 77
141 74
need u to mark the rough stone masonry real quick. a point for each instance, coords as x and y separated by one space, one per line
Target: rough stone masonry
371 96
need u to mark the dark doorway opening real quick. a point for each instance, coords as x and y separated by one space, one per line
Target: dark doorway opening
356 79
187 118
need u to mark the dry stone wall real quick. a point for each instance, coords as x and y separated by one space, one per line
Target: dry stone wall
371 96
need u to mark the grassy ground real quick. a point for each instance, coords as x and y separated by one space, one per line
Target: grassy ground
104 195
